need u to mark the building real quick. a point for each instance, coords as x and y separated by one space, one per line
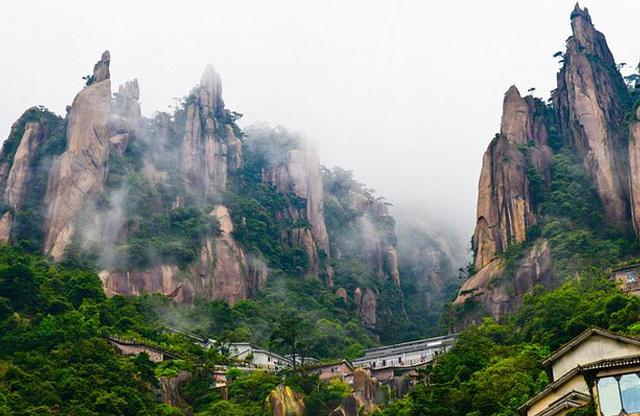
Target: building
405 355
302 360
628 278
335 369
132 347
256 357
598 367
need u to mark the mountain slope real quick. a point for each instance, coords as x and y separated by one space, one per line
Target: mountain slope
554 190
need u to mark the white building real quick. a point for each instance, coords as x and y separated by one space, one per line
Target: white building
257 357
406 354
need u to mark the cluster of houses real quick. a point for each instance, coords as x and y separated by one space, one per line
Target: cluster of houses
598 367
394 365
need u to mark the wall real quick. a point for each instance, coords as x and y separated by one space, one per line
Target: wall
576 383
593 349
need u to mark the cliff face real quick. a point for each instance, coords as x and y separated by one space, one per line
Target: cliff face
19 173
298 173
590 105
591 102
379 242
221 271
504 210
80 172
498 291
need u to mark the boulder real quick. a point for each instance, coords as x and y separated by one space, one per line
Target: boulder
283 401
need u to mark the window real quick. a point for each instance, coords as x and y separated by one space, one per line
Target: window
609 396
630 391
631 276
619 394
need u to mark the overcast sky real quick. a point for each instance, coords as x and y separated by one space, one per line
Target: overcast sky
407 94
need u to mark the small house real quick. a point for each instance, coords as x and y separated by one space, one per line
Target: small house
133 347
628 278
257 357
334 369
597 366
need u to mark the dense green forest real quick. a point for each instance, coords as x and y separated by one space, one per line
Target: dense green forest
55 359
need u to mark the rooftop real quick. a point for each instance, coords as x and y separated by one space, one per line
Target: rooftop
410 346
582 337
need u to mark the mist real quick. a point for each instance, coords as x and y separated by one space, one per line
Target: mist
406 94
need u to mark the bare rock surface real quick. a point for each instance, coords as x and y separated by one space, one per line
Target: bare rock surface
501 294
283 401
504 210
80 172
591 102
299 174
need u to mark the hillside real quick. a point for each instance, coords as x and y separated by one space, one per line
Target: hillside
121 225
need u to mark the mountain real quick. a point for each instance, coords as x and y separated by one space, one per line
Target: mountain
142 228
190 206
556 212
557 186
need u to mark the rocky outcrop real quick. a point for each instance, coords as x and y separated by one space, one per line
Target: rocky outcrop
234 276
208 145
125 109
20 172
366 302
15 190
499 291
163 279
170 387
591 102
363 398
283 401
80 172
504 210
223 271
298 173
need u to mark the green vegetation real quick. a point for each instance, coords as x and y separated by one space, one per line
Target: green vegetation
495 368
54 359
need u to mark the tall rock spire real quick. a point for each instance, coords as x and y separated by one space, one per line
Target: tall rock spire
80 172
209 146
504 210
590 101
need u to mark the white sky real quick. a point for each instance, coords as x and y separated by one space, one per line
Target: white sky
405 93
